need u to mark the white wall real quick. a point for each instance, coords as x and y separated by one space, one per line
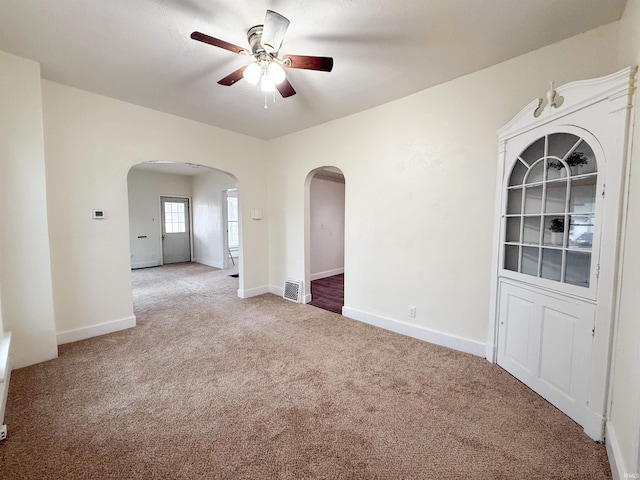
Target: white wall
91 142
209 226
623 429
439 148
326 227
145 188
25 270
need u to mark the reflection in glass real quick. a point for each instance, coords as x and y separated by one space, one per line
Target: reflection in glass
581 231
513 229
582 160
534 152
556 201
555 169
511 257
533 200
553 231
530 261
514 202
578 268
583 195
531 232
551 263
517 174
536 173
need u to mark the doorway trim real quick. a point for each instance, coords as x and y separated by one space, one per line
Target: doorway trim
225 221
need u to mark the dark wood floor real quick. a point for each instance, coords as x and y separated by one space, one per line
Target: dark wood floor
328 293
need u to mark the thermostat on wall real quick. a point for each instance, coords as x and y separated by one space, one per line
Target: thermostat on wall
98 214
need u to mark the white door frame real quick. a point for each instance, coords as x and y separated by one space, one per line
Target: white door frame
161 224
225 229
609 102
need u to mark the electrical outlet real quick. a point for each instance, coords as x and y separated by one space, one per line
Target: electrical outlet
412 311
3 432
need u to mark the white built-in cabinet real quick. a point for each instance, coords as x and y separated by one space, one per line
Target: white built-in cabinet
561 187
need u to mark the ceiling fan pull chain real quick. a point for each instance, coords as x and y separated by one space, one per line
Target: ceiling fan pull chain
274 96
265 101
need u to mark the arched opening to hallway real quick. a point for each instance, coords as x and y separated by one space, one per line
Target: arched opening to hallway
325 235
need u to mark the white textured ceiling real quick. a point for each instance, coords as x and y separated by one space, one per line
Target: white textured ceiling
140 51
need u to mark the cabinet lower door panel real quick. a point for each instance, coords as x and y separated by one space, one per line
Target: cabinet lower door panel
545 341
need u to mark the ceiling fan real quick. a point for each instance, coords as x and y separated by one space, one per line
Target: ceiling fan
266 69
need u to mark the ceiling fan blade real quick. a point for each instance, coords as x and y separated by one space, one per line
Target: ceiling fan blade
273 31
232 77
324 64
285 88
216 42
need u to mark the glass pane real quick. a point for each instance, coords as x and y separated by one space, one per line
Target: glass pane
514 203
554 231
531 233
551 264
578 268
517 174
583 195
555 169
536 174
511 257
234 238
581 231
534 152
556 201
533 200
232 209
513 229
582 160
560 144
530 261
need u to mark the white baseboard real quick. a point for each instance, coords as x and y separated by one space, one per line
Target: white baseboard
252 292
5 373
279 291
621 468
150 263
306 298
593 425
616 462
490 353
328 273
208 263
416 331
83 333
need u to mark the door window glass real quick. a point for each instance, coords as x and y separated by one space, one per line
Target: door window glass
174 217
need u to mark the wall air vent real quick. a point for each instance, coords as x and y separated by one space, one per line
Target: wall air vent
292 291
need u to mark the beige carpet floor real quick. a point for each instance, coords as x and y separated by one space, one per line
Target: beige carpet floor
210 386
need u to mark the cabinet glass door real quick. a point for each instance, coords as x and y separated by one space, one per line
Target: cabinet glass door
550 211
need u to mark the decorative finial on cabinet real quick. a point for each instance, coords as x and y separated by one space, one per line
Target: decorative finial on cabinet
553 100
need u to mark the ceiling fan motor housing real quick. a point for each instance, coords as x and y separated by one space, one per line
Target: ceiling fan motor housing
254 35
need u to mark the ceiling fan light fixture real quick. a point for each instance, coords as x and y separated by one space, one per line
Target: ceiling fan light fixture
252 73
276 72
267 84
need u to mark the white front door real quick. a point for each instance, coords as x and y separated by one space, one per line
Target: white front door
176 240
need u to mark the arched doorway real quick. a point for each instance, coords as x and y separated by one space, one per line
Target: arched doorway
325 238
181 200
